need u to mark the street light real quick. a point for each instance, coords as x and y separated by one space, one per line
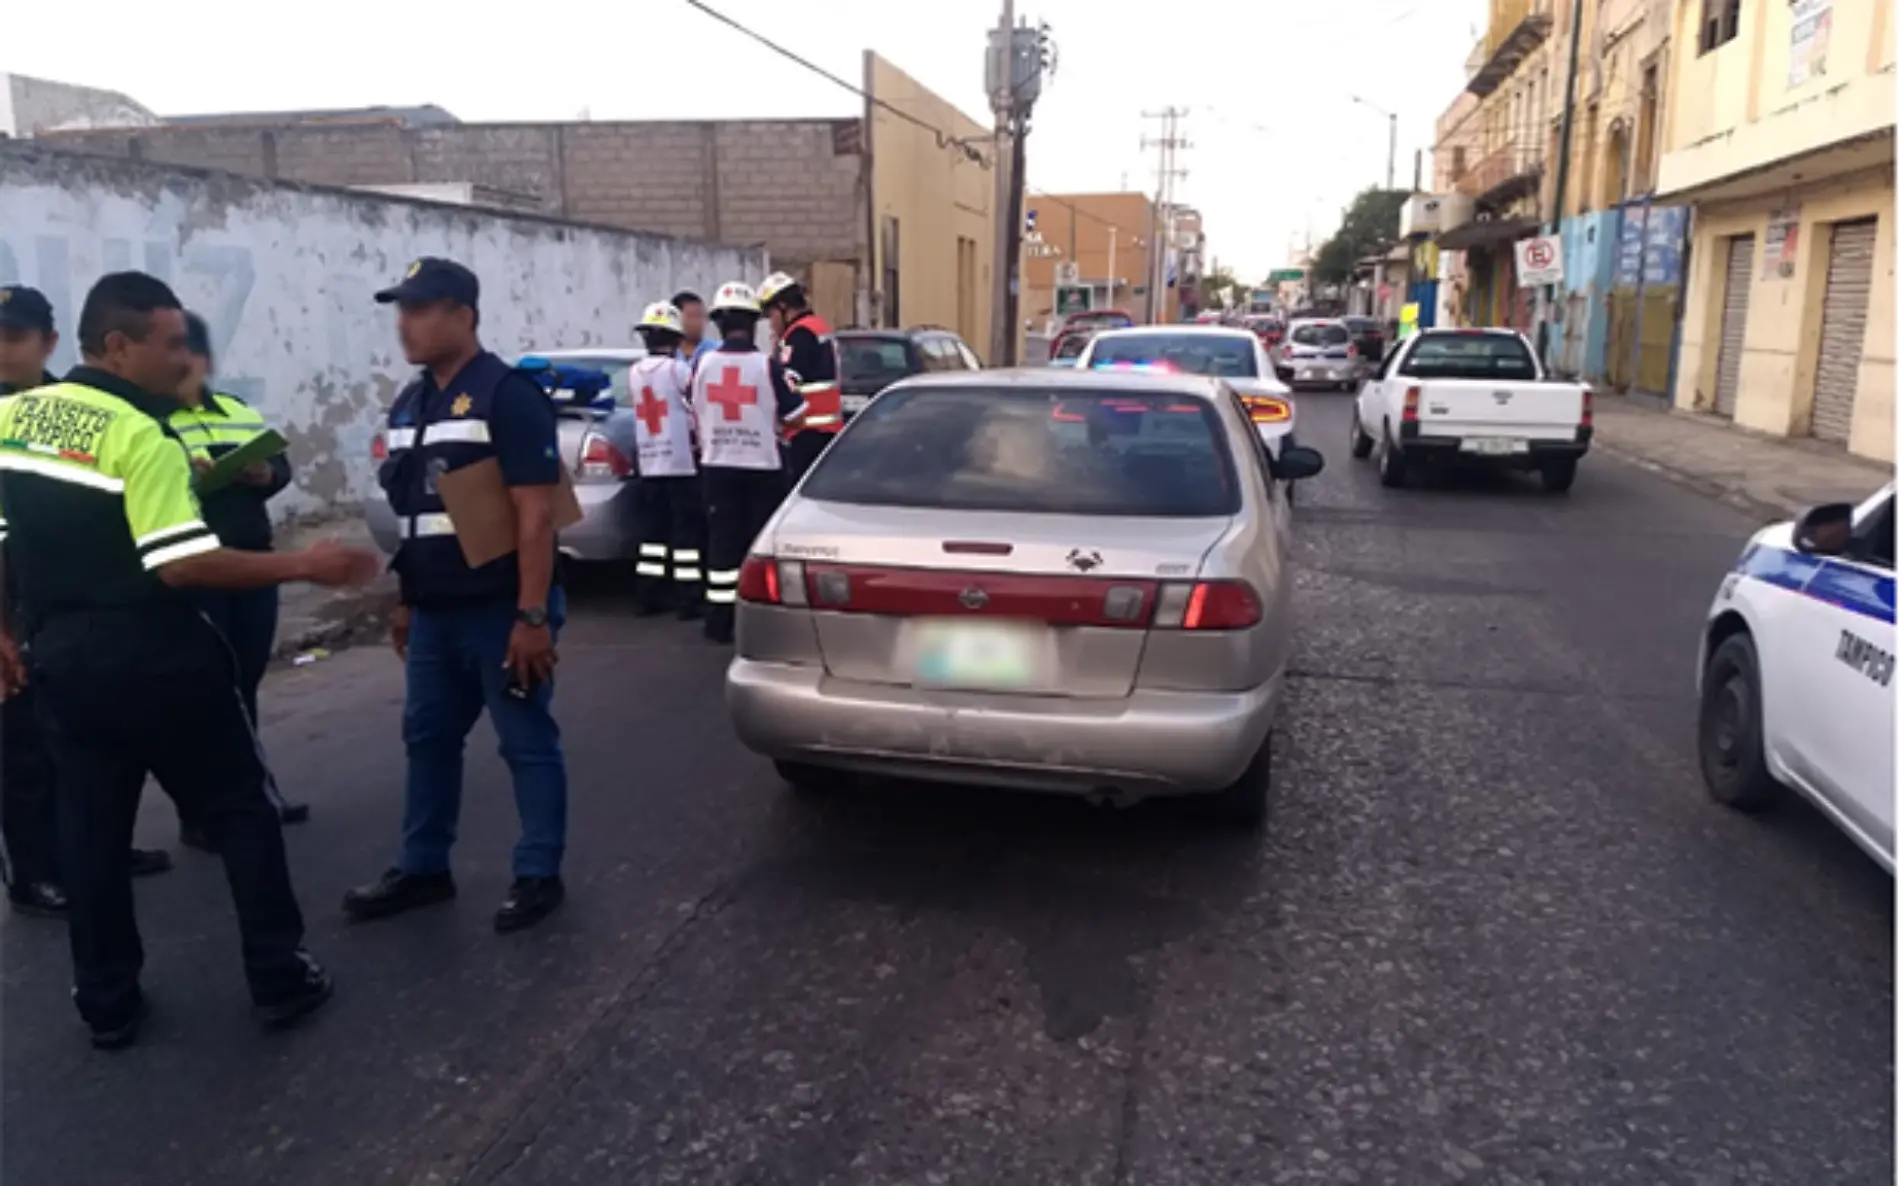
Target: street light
1392 138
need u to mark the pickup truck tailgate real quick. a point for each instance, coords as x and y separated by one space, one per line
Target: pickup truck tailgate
1528 410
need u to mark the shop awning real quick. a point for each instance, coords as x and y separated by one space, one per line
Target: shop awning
1487 232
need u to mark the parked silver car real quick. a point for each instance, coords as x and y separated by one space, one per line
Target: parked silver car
1070 581
599 446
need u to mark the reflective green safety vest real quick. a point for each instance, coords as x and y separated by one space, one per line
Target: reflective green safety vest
218 426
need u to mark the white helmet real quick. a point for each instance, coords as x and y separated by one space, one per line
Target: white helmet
661 315
775 284
736 297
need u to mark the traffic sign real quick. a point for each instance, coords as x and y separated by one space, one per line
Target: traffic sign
1281 275
1540 261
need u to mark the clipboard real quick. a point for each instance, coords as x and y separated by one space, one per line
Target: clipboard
479 505
225 469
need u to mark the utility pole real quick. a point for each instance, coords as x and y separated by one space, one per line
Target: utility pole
1018 58
1392 149
1162 237
1563 168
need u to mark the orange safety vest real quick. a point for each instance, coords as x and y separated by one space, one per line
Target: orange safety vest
824 400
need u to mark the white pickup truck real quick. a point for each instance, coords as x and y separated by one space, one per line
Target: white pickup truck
1476 395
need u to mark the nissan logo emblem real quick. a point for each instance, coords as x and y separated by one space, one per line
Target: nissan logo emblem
973 598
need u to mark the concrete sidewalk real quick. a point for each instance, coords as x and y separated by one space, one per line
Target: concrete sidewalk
1772 477
311 617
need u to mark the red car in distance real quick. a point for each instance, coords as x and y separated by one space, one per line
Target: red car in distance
1087 325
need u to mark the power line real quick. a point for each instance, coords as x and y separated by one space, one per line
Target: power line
944 139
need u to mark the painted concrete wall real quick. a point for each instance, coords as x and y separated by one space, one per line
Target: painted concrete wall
1783 333
1754 100
1589 245
284 275
941 200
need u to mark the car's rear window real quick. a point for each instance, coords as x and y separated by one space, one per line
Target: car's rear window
1073 345
1230 357
873 358
1102 320
1470 356
1330 334
1029 450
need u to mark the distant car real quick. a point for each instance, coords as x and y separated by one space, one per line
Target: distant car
1229 353
1795 671
1270 330
1318 354
1087 323
873 359
1368 337
597 441
1065 581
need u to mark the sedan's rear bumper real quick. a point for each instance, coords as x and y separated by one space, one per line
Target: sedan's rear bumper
1148 744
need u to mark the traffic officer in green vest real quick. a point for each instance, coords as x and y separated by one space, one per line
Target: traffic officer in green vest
211 424
27 820
102 536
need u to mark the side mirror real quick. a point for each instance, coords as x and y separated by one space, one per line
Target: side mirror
1826 530
1297 462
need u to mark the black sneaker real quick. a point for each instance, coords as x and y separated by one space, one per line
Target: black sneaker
293 813
311 995
122 1034
41 899
194 836
529 900
396 891
150 862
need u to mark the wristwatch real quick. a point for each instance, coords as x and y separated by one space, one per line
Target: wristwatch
536 616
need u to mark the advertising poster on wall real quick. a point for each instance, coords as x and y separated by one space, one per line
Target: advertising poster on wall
1781 242
1810 23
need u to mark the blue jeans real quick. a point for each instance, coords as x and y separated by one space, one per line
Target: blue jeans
454 671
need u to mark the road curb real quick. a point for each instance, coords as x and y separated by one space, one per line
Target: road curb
1768 512
341 621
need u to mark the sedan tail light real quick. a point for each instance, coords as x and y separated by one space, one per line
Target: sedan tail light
766 580
1208 605
599 459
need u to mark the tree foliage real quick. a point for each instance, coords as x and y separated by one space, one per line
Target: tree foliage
1370 225
1221 285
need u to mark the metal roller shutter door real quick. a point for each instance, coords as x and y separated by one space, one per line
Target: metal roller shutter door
1728 359
1850 280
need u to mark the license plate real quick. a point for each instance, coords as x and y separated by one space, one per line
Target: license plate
1002 656
851 405
1494 446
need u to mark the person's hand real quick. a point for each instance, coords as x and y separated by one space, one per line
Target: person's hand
399 631
258 473
201 464
327 562
12 668
531 654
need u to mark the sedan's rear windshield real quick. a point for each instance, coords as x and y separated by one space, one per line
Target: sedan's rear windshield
873 358
1039 451
1330 334
1230 357
1470 356
1073 345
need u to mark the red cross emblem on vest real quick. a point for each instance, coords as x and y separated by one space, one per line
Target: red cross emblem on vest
652 410
730 394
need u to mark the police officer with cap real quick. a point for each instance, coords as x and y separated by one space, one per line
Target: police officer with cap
103 534
808 354
27 818
471 638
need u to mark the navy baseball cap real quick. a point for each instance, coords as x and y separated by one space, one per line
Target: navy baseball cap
432 279
25 308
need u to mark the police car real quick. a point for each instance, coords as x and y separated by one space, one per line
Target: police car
1796 673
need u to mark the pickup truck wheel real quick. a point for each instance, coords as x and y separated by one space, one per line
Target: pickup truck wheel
1243 803
806 779
1361 443
1392 467
1729 728
1559 474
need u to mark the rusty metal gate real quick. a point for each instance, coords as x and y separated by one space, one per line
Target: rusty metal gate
1728 358
1850 281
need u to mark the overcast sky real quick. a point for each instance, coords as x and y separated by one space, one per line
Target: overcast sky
1278 147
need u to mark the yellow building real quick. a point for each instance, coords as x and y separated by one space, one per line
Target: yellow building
1105 238
1780 132
932 231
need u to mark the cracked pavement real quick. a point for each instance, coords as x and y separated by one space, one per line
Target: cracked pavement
1494 933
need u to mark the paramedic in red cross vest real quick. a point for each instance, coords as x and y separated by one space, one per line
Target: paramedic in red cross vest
671 512
471 638
741 401
808 353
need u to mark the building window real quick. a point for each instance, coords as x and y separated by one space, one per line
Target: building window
1457 163
1720 20
890 257
1648 113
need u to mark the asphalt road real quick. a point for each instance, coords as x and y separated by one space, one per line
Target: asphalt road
1494 933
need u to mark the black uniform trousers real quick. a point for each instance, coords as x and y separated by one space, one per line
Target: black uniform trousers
137 692
27 817
803 450
247 618
738 503
672 566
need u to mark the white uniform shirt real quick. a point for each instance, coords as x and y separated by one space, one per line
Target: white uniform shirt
736 409
662 413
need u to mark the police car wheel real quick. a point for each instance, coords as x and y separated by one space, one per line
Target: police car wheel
1243 803
806 779
1729 728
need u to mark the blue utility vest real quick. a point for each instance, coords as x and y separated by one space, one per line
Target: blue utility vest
430 433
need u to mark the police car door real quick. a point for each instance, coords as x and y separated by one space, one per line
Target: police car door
1841 655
